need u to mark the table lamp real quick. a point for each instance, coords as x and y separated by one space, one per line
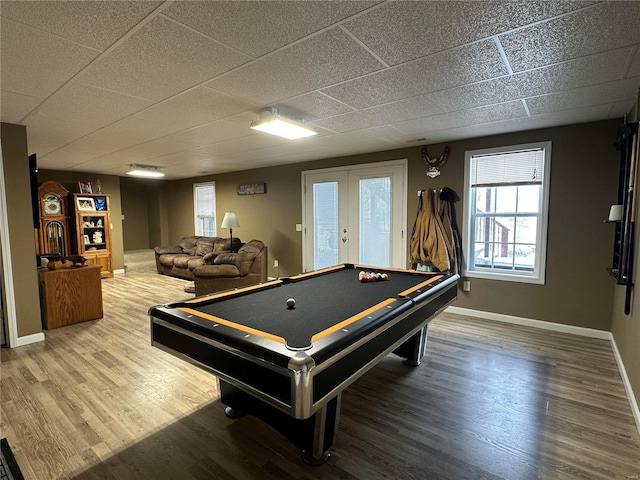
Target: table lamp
230 221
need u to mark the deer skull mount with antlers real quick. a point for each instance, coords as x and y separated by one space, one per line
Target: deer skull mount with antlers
434 164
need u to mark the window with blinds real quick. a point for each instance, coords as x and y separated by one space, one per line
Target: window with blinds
204 208
506 210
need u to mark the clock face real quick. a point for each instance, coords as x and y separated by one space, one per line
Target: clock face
51 205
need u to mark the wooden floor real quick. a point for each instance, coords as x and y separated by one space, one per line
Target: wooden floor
491 401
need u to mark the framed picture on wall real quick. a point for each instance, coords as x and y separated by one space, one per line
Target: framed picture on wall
100 203
84 186
85 203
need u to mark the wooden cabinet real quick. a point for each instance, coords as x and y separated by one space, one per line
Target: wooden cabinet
92 230
70 295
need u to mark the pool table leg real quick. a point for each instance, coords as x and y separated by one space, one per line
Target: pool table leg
414 349
231 412
313 435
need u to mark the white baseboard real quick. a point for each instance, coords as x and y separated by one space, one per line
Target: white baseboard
29 339
528 322
627 383
558 327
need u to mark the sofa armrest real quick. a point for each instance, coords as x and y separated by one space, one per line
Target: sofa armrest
210 257
216 271
163 250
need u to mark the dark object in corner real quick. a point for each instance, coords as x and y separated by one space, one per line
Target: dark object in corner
8 463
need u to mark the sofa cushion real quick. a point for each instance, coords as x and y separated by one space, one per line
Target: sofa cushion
195 262
217 271
225 259
221 245
182 261
165 250
168 258
203 247
188 245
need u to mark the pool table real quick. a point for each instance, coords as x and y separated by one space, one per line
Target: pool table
288 365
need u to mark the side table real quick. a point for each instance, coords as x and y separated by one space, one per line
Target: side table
70 295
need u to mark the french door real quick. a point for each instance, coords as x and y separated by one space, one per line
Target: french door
355 215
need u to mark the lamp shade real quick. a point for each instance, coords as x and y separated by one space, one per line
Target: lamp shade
230 220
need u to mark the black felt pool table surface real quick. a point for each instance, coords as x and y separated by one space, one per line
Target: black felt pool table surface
321 302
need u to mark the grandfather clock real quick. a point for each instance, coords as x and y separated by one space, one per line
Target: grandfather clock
52 237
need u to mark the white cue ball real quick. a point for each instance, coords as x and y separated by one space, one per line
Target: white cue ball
291 303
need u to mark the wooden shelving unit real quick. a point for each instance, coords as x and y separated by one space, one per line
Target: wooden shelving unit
92 230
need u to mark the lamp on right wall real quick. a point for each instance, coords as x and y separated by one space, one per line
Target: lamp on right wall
230 221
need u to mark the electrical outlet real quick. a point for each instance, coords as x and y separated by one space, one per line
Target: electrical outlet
275 264
466 286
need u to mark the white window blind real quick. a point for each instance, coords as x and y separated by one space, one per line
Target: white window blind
204 199
523 167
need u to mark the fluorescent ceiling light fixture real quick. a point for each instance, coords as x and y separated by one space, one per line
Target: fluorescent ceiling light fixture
144 171
271 122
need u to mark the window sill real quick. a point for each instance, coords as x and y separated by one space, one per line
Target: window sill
504 277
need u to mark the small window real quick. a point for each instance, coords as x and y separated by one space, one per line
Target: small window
204 199
506 210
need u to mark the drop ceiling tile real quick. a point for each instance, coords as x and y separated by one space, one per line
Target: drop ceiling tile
575 35
410 108
126 133
156 148
161 60
634 68
36 63
436 72
315 63
122 158
194 170
214 132
15 106
100 163
64 157
567 117
243 144
179 158
620 109
311 106
46 134
279 23
195 107
90 105
437 26
608 93
451 120
577 73
95 24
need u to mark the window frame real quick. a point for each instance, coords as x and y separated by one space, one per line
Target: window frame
538 276
195 208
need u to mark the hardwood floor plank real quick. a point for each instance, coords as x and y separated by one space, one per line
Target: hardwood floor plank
490 401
